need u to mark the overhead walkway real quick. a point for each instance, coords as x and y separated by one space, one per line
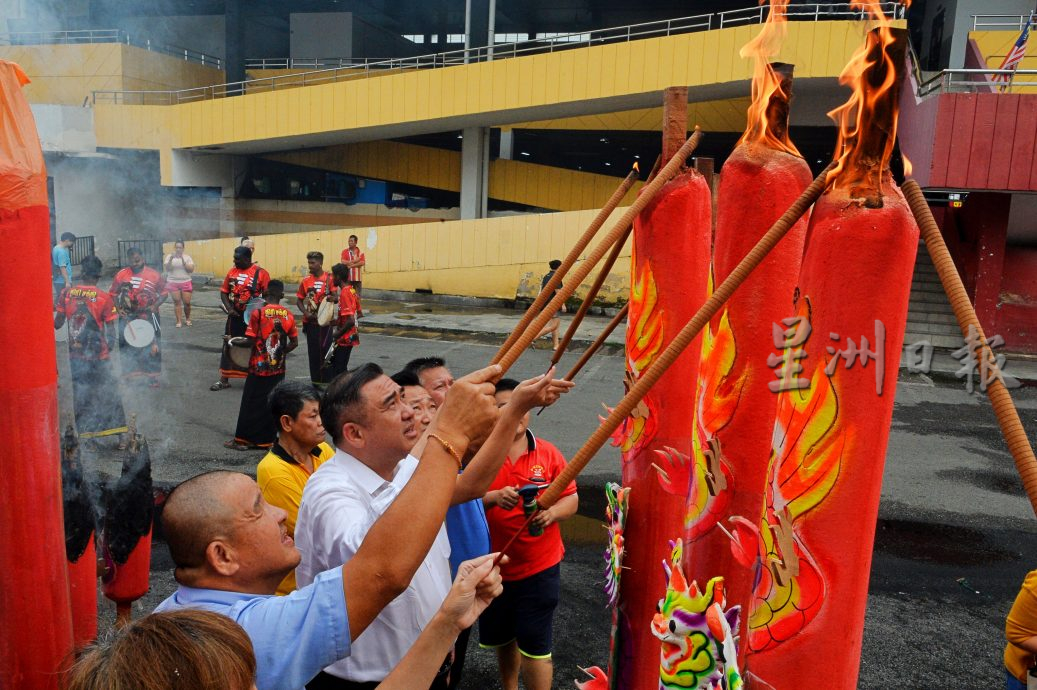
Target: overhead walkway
578 81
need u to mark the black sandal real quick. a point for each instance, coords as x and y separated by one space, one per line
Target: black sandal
219 385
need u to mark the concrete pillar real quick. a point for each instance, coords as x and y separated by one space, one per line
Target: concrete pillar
475 171
234 30
507 144
228 204
477 24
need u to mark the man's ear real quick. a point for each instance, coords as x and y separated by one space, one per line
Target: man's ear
353 435
221 558
286 423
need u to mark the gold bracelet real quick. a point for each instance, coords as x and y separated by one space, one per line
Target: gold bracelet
449 448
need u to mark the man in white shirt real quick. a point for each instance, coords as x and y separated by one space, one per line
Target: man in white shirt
372 428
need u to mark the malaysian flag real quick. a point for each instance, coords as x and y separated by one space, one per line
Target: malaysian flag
1016 54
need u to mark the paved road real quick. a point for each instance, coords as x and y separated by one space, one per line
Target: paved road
955 533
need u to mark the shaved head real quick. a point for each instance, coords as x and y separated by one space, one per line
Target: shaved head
196 513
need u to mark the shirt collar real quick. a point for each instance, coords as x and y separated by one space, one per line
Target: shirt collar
531 442
193 596
280 452
366 478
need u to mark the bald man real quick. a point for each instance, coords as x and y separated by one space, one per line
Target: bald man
231 549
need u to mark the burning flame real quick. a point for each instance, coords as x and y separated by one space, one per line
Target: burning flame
868 120
768 113
637 168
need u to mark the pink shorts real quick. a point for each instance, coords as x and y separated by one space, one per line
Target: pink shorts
186 286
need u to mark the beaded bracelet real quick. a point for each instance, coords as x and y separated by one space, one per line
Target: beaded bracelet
449 448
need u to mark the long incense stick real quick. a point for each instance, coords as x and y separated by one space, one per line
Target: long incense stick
548 290
706 312
648 192
1000 398
596 345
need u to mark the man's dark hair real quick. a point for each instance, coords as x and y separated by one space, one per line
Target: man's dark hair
244 239
315 255
406 377
275 287
68 237
288 398
243 251
342 401
424 363
505 385
354 237
134 250
554 264
91 267
340 271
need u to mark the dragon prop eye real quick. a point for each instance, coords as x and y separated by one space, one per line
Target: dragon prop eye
673 626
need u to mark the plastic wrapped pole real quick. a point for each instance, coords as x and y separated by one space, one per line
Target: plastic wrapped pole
34 601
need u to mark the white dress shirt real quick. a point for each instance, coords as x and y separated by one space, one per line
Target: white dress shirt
340 503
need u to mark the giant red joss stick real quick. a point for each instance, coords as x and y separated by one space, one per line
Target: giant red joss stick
669 274
34 599
833 417
734 409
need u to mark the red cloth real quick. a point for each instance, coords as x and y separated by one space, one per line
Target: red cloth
271 326
353 255
88 309
540 464
348 306
244 284
321 285
142 290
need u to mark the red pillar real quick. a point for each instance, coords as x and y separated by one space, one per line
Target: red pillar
988 213
34 599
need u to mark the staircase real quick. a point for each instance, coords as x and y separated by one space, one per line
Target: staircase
929 314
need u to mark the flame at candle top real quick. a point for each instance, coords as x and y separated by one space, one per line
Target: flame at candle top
768 114
868 120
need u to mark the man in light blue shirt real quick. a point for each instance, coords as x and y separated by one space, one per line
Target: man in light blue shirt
61 263
231 550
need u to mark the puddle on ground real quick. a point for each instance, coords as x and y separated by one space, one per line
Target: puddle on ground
1001 482
935 543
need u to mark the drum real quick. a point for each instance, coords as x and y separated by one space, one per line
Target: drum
326 313
253 304
139 333
240 351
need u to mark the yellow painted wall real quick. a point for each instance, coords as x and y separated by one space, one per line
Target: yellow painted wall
513 181
479 258
68 74
725 115
995 45
818 49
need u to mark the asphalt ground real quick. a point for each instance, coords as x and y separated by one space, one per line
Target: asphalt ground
955 534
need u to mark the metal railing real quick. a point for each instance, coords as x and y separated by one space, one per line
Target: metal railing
978 81
581 39
84 36
999 22
311 63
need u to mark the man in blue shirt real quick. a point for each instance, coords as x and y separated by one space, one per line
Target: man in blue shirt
61 263
231 549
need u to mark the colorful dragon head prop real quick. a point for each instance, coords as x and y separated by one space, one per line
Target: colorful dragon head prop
694 627
616 517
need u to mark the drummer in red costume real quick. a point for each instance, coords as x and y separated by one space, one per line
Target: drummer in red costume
138 290
91 317
244 282
345 333
271 330
313 289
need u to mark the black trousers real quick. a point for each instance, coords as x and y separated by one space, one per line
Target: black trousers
318 340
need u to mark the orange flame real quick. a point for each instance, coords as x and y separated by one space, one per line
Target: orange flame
868 120
771 91
637 168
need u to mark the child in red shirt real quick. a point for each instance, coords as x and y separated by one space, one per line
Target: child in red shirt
518 622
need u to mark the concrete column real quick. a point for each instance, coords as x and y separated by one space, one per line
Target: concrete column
234 29
228 203
507 144
475 170
476 23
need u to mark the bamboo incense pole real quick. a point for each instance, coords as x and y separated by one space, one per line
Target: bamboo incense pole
1000 399
567 263
585 306
648 192
681 341
596 345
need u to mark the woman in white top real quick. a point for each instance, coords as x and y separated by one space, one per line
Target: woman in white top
179 267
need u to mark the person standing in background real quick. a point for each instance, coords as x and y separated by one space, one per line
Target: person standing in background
61 264
314 289
179 267
344 334
244 282
354 260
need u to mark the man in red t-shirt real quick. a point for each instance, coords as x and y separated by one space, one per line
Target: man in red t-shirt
345 334
272 333
91 317
243 286
518 623
354 260
313 290
138 290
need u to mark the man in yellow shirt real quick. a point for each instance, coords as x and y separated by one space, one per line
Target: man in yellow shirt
1021 632
299 450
